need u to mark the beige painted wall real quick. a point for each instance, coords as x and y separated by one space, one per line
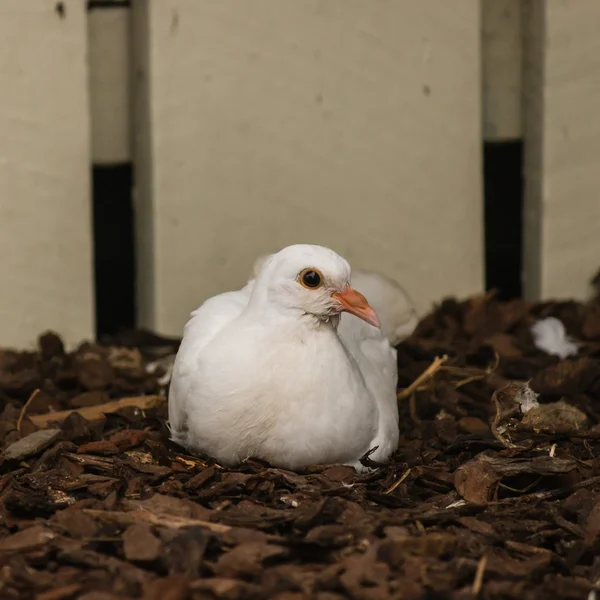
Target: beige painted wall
346 123
562 230
502 55
110 75
45 241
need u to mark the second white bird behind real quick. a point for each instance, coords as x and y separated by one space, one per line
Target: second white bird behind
271 371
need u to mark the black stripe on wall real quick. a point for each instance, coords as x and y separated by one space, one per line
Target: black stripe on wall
114 249
504 198
100 4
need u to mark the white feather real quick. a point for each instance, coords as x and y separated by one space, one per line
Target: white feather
253 378
550 336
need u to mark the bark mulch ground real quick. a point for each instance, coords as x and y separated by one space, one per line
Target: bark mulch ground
480 501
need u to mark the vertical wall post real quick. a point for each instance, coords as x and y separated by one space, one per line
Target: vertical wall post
562 141
45 216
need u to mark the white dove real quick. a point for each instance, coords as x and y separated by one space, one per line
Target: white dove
271 371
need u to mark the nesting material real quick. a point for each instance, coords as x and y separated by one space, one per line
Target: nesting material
112 509
526 398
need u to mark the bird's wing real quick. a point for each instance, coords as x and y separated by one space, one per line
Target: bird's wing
204 324
207 320
373 349
376 359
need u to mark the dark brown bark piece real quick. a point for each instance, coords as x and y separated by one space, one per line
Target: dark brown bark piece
140 544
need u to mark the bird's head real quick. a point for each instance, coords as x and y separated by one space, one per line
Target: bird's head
312 280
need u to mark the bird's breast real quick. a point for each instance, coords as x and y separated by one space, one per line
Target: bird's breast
302 396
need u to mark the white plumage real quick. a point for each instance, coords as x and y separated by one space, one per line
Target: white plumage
271 371
391 302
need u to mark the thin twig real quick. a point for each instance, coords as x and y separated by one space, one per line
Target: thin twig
478 376
94 413
549 494
525 489
427 374
397 483
171 521
499 416
35 393
557 431
412 409
478 581
366 460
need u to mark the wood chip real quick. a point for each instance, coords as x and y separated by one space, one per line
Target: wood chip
93 413
28 539
32 444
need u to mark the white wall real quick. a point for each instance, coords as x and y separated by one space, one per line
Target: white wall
110 75
353 124
45 223
346 123
502 57
562 102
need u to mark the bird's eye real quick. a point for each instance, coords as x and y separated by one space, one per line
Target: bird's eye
311 278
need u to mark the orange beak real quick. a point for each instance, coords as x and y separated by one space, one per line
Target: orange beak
356 304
